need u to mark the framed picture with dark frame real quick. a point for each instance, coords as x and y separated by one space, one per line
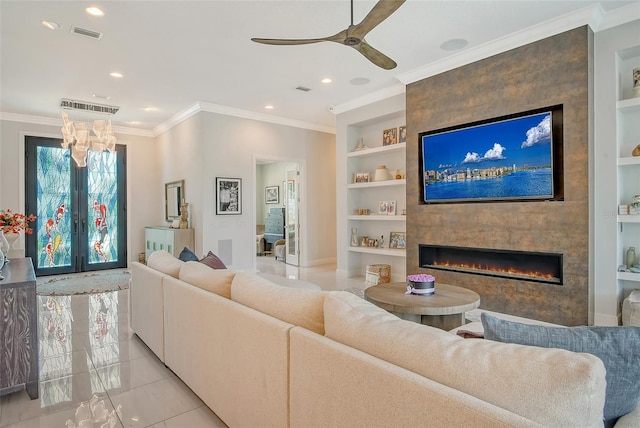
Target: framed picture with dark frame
272 195
228 196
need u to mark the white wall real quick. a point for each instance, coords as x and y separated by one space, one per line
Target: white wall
143 193
210 145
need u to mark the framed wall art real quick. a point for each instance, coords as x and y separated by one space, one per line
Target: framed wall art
402 134
390 136
387 208
398 240
361 177
272 195
228 196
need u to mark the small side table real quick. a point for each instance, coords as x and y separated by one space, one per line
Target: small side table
19 328
445 309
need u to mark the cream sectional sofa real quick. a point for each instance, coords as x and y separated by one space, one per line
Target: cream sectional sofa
262 354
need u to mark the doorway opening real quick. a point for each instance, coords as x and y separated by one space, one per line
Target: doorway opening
278 209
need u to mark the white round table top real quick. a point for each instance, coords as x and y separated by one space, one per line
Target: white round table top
447 299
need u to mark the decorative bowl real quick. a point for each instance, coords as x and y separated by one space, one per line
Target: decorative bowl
421 284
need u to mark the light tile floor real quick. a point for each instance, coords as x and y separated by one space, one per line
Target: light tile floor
87 349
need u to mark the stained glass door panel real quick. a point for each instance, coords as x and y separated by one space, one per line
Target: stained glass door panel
81 222
53 226
102 199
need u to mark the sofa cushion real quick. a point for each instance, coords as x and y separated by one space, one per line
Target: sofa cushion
213 261
186 255
617 347
217 281
296 306
550 386
165 262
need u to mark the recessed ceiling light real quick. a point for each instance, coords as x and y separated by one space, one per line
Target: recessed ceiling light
94 11
269 107
103 97
454 44
150 108
134 122
115 74
359 81
51 25
326 80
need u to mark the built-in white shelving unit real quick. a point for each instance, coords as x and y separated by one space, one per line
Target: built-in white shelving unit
615 173
367 125
627 137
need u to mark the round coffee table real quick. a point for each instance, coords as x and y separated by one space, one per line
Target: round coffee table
444 309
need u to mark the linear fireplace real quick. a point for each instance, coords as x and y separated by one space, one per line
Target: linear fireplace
522 265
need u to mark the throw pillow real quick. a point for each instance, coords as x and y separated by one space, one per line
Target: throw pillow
617 347
213 261
186 255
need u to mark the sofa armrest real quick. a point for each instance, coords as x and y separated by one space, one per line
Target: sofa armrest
146 306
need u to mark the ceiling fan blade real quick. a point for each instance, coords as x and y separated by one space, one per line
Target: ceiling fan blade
287 41
381 11
375 56
339 37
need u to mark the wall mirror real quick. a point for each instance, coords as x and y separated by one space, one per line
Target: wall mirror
173 198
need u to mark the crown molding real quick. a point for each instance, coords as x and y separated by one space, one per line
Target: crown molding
382 94
50 121
203 106
176 119
619 16
263 117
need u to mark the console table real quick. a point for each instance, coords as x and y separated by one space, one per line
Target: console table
19 328
445 309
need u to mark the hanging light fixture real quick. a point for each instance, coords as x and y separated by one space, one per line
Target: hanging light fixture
79 136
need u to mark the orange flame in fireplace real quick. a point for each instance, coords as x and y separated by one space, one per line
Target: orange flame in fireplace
488 268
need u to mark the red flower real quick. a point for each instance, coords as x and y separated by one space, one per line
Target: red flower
14 223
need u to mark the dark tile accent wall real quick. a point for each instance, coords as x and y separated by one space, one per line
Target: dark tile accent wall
556 70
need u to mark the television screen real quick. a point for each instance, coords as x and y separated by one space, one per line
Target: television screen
504 159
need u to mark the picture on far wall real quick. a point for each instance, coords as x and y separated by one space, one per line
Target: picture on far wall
272 195
228 196
390 136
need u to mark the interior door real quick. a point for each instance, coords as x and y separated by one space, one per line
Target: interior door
292 218
81 224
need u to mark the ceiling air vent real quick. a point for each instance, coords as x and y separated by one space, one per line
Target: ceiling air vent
87 33
303 88
85 106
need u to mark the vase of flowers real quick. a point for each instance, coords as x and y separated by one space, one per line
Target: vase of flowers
11 225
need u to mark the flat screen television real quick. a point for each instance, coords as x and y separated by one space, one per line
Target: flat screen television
510 158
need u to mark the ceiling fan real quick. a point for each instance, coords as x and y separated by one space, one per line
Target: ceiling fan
354 35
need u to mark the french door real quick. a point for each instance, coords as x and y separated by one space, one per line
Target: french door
81 224
292 218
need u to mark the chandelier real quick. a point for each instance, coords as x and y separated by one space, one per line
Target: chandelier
80 137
